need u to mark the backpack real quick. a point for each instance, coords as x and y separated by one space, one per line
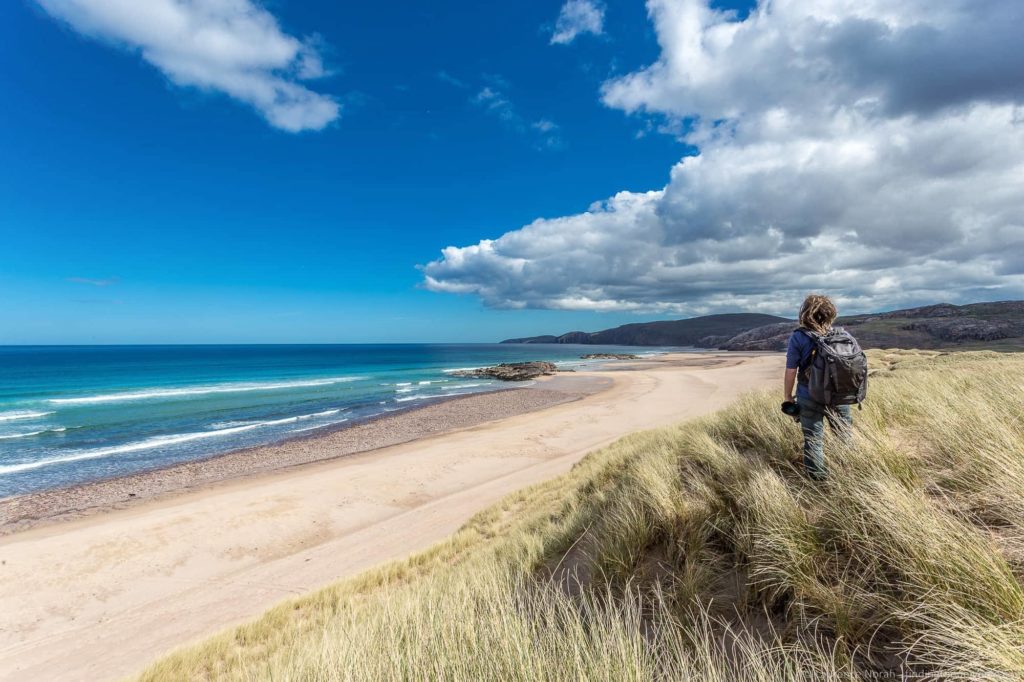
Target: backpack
838 373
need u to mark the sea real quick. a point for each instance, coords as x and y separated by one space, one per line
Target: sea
74 414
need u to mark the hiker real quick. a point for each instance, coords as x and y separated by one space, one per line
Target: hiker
830 373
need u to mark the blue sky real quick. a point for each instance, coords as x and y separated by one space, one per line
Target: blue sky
136 207
204 223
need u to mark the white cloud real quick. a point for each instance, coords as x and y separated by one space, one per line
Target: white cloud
231 46
497 103
871 149
576 17
446 77
93 281
492 98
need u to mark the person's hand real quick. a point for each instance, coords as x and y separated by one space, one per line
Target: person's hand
791 409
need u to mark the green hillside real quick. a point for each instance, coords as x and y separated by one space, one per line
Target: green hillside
997 325
687 332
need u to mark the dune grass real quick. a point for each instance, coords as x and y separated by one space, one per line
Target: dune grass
701 552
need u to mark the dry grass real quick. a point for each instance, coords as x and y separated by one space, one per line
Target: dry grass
702 552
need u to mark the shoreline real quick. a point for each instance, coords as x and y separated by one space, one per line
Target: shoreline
25 511
101 595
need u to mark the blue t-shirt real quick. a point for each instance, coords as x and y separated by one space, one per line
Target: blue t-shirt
798 356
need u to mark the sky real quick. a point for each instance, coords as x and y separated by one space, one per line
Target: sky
223 171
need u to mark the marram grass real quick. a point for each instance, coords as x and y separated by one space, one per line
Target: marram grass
700 552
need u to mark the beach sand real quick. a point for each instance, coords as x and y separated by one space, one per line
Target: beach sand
106 582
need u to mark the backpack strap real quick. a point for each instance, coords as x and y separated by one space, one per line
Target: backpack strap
815 338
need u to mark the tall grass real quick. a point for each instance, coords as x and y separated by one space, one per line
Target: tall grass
701 552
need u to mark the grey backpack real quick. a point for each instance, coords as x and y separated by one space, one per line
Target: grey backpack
838 373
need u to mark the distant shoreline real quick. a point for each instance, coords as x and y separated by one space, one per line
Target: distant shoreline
434 417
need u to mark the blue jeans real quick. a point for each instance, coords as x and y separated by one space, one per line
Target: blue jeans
812 421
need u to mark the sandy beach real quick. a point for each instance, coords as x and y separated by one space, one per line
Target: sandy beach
99 580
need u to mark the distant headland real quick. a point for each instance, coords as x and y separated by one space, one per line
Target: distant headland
997 325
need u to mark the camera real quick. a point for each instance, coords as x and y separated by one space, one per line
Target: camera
792 408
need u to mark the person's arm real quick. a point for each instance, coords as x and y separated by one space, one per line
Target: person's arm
792 365
787 390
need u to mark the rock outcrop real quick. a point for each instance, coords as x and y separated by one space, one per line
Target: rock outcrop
963 331
769 337
510 371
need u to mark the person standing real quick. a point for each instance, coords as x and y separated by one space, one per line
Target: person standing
829 372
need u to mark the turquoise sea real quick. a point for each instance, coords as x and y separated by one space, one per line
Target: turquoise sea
71 414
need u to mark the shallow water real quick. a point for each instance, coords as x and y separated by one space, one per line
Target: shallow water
71 414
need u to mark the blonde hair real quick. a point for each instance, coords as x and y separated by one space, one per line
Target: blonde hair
817 313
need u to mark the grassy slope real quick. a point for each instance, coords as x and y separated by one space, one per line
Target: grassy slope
701 552
874 331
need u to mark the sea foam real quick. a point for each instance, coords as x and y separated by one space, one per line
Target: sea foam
147 444
197 390
154 442
274 422
21 414
10 436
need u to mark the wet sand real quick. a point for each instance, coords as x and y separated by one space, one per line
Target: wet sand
98 597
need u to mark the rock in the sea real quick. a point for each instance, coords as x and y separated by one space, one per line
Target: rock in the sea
609 356
511 371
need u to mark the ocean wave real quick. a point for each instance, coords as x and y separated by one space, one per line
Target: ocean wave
318 426
458 386
418 397
155 442
197 390
147 444
31 433
21 414
458 369
274 422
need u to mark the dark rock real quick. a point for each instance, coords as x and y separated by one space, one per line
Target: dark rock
937 310
712 341
511 371
609 356
770 337
965 330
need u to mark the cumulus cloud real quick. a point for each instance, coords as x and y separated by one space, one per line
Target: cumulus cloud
577 17
230 46
871 149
